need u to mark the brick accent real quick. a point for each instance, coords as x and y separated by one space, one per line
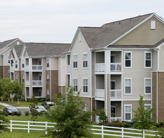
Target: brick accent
88 102
21 74
160 97
18 75
48 84
5 73
1 71
154 93
54 83
62 90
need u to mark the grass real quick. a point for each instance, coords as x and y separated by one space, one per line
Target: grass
22 103
25 118
1 107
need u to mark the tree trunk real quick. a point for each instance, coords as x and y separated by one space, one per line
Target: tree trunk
2 98
12 100
8 100
18 100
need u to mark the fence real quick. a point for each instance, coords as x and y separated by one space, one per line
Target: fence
95 129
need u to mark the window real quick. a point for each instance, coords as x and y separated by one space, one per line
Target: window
16 76
47 78
147 106
48 94
39 93
148 59
8 60
128 83
128 58
85 85
147 86
85 60
75 83
127 112
48 60
40 63
153 25
16 64
40 77
9 73
85 108
75 61
22 78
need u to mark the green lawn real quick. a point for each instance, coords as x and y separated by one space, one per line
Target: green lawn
22 103
25 118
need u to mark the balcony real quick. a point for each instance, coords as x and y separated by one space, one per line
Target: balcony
36 83
68 68
115 94
99 94
26 67
27 83
115 67
37 67
115 118
100 67
11 68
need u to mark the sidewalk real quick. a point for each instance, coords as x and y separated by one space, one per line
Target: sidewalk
4 104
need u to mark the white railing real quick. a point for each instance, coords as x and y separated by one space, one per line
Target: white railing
97 118
68 68
100 93
27 83
36 67
115 94
11 68
26 67
115 118
96 129
38 97
36 83
115 67
100 67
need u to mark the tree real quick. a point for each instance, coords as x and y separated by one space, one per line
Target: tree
6 86
71 121
2 92
102 117
142 117
34 113
3 122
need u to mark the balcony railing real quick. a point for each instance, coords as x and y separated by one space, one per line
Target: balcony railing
115 118
100 67
36 67
36 83
99 94
115 94
115 67
97 118
26 67
27 83
68 69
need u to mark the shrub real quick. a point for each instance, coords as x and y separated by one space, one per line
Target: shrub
22 99
41 113
126 125
27 113
41 100
114 124
47 99
12 113
19 113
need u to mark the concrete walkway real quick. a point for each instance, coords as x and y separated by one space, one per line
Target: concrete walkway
4 104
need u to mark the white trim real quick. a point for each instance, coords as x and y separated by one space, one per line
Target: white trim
130 30
145 86
85 78
125 112
135 99
130 87
145 52
130 59
148 105
153 25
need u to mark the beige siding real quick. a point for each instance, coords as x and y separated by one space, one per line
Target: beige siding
143 35
161 57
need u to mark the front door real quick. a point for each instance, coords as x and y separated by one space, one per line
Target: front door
113 111
112 84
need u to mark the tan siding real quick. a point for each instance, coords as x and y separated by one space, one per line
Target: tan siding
5 73
154 92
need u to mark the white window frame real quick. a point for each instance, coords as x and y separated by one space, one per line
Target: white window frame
125 112
148 105
125 59
145 86
75 61
48 78
153 24
48 62
85 85
85 108
145 59
75 84
125 86
85 60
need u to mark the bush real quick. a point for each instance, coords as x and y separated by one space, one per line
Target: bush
41 113
22 99
47 99
3 113
114 124
27 113
19 113
41 100
34 113
126 125
12 113
159 124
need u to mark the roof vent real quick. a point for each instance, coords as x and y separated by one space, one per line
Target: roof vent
18 43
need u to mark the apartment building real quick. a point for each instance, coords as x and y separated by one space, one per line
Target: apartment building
114 64
41 66
5 48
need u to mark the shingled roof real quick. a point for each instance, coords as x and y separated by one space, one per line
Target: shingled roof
98 37
5 43
47 49
18 49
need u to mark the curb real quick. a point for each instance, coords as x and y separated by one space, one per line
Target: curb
22 107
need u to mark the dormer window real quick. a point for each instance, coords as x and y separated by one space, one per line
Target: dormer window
48 60
18 43
153 25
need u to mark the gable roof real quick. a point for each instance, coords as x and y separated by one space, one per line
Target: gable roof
18 49
7 42
47 49
99 37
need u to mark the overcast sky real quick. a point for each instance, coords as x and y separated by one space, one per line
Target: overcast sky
57 20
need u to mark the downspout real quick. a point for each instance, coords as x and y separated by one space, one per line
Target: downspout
157 85
91 78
